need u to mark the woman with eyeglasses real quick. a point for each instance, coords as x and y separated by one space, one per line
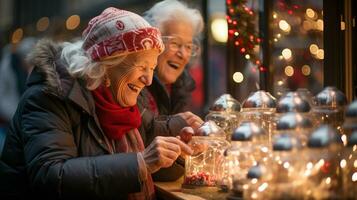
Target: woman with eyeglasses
75 132
164 104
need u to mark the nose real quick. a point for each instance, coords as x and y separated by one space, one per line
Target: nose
146 78
181 51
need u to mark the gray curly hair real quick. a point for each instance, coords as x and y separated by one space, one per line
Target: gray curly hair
168 10
79 64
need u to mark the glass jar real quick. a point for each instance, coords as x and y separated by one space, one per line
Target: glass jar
257 182
348 165
329 107
248 146
286 181
224 112
294 124
259 108
322 164
205 166
350 122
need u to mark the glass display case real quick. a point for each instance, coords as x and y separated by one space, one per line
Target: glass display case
205 166
348 165
249 145
329 107
259 108
294 124
322 164
224 112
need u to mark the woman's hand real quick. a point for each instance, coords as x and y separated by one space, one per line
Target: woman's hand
191 119
163 151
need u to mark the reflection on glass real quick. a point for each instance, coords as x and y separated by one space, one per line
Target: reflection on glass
297 45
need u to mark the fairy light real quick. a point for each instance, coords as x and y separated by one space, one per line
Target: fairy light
289 70
42 24
306 70
286 54
17 35
313 49
241 31
238 77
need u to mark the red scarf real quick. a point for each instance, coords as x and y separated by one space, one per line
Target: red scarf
114 119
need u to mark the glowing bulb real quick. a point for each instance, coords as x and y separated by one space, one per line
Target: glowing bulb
328 180
286 165
320 25
247 56
72 22
238 77
286 54
320 54
219 28
313 49
343 163
310 13
42 24
354 177
289 70
306 70
284 25
17 35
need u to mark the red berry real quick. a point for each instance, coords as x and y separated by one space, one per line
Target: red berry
186 134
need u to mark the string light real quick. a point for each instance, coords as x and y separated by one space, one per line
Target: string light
241 31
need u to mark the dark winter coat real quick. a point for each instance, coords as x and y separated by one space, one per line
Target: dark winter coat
55 147
168 125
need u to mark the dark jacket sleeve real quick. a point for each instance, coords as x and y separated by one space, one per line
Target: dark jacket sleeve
53 165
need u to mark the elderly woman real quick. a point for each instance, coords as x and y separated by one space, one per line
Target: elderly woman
74 134
164 104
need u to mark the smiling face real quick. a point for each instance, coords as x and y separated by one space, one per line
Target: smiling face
172 63
132 75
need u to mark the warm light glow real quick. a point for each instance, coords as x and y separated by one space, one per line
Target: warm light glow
286 54
320 54
247 56
238 77
219 29
17 35
275 15
309 165
328 180
42 24
262 187
236 33
72 22
306 70
344 139
343 163
254 181
307 25
285 26
313 49
289 70
320 25
354 177
355 164
280 83
310 13
286 165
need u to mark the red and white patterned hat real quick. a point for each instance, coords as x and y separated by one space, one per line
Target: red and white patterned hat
119 32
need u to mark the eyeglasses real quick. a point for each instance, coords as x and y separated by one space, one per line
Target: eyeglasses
174 43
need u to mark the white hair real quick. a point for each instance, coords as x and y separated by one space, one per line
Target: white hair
169 10
79 64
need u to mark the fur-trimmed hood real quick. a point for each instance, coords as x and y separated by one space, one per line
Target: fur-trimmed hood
48 68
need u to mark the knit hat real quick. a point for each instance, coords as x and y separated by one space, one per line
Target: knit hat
119 32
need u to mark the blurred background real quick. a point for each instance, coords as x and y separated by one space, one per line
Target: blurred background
275 45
